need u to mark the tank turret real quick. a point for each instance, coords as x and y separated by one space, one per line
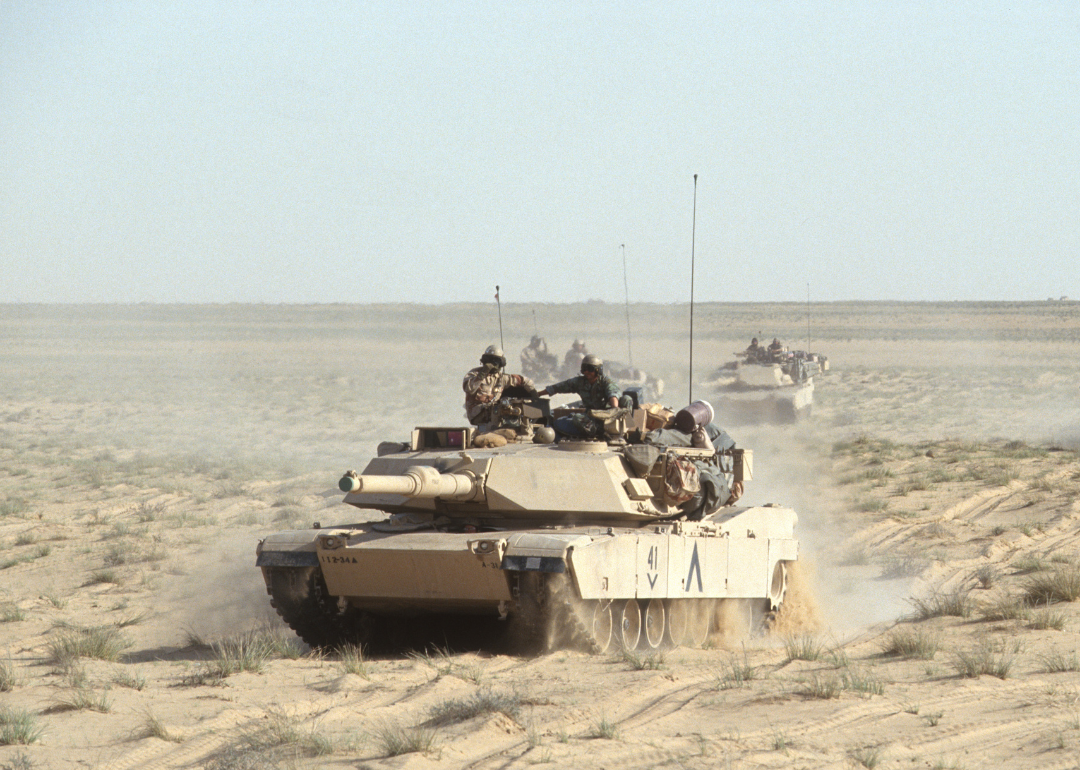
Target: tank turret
633 540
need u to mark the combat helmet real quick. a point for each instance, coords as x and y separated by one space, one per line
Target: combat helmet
494 356
591 363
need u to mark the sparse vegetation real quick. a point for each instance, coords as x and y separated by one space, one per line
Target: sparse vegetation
1058 585
957 604
395 741
995 659
482 702
352 660
7 676
604 728
803 647
100 642
643 661
18 727
911 643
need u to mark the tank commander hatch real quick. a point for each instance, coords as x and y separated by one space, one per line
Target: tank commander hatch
596 391
485 384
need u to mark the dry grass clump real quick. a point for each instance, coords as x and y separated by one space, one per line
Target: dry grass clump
1058 585
8 680
352 660
246 652
84 699
1005 607
803 647
99 642
604 728
281 730
1058 662
1048 620
911 643
995 659
737 674
956 604
643 661
480 703
395 740
18 727
10 612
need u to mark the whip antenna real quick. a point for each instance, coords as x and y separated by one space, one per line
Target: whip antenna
626 289
693 238
499 303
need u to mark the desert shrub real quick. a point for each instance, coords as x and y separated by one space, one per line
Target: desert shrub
1058 585
987 575
13 506
862 682
643 661
956 604
18 726
824 688
395 740
8 679
1057 662
911 643
478 704
244 652
737 674
803 647
867 756
282 730
11 613
1028 564
352 660
84 699
1048 620
131 681
99 642
1005 607
988 658
604 728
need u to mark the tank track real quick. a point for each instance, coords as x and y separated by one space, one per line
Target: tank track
300 597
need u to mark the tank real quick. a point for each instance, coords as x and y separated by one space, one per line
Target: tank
632 541
773 388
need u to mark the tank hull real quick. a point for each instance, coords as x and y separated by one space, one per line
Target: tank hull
361 572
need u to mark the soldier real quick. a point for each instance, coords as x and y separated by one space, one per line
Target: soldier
484 386
573 358
775 349
536 361
596 392
754 352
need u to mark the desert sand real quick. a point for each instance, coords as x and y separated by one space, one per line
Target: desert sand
145 449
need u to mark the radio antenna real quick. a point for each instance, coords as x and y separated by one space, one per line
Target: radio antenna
499 303
626 289
693 239
808 317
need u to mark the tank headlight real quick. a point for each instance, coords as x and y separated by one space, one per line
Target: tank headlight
330 542
484 546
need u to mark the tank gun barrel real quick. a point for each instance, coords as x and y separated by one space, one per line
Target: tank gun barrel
418 481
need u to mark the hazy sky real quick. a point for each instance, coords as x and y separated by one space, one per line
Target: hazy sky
363 152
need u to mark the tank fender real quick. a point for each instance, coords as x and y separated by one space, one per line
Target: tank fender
295 548
539 552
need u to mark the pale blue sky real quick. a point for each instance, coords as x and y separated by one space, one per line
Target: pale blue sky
365 152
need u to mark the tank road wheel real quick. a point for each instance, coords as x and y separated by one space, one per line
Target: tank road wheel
301 599
701 618
678 621
629 630
654 623
778 586
602 626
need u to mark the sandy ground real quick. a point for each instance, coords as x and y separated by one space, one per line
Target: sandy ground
144 450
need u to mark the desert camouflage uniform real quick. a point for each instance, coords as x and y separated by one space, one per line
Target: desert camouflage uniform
483 387
593 395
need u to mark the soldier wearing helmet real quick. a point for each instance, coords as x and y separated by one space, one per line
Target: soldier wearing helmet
775 349
484 386
596 392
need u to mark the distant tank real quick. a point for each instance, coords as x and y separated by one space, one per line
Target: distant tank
774 387
633 541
